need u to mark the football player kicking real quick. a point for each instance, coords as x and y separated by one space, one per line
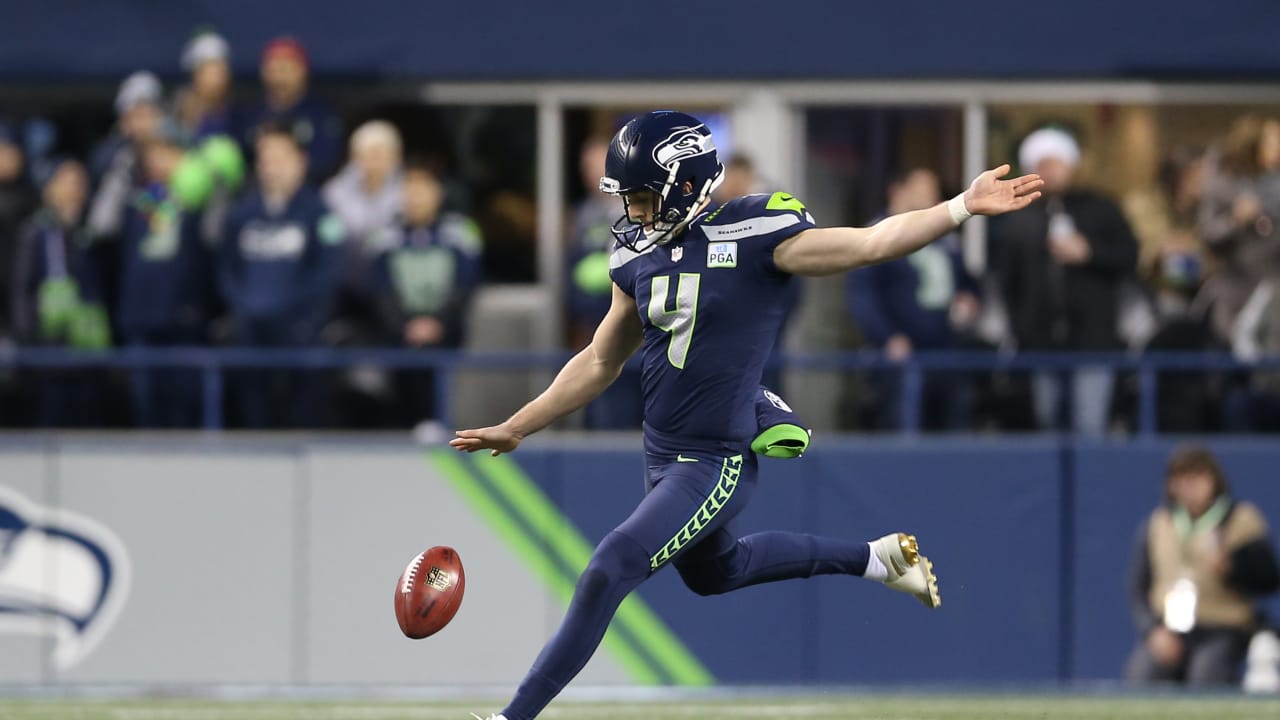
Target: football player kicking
702 294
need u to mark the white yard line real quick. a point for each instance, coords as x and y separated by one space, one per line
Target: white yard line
844 708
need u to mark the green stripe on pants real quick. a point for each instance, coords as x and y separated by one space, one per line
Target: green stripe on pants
711 507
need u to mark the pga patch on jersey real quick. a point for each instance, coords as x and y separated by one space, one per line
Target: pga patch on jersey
722 255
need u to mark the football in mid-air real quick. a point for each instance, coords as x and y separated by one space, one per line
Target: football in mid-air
429 592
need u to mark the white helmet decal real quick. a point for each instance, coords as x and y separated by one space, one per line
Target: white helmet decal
682 144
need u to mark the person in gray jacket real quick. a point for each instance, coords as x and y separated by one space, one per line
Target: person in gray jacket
1239 213
366 197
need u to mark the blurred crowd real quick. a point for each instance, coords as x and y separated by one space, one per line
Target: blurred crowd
199 220
1191 265
1188 266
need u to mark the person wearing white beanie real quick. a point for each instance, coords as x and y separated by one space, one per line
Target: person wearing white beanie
114 165
1062 264
1048 143
140 88
203 106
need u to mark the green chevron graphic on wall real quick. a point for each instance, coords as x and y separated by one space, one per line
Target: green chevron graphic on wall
556 551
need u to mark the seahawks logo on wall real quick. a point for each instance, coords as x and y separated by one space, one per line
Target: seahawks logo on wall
62 575
682 144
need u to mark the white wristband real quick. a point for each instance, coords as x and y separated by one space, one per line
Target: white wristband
959 213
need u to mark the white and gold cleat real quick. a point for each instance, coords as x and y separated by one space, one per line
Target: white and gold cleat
909 571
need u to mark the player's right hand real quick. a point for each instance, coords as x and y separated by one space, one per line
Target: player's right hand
497 440
989 195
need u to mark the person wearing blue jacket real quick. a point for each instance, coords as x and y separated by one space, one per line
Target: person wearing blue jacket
278 272
909 304
425 280
57 299
166 286
287 103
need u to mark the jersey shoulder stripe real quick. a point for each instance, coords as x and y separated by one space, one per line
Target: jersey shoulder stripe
757 205
623 255
751 227
753 215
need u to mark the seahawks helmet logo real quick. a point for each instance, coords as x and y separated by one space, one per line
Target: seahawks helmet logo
62 575
682 145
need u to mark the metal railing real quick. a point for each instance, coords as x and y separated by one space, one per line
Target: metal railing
214 363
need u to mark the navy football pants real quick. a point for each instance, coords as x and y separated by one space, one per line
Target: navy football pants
683 520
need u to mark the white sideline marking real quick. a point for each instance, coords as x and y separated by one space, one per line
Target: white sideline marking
841 708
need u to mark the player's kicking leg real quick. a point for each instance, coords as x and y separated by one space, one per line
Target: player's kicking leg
905 569
719 564
722 563
691 494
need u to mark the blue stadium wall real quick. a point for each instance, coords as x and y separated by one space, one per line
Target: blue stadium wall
664 39
1031 538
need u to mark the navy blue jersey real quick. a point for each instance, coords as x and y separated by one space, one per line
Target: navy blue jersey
712 302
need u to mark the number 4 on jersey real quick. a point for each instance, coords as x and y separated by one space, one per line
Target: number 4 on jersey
680 321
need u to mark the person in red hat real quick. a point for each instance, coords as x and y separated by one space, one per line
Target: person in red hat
285 71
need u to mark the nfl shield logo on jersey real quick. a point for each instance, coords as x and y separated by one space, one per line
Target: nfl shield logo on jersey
677 252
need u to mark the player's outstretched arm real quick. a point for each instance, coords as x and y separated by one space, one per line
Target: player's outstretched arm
585 376
825 251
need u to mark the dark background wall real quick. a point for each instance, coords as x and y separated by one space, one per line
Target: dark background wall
496 39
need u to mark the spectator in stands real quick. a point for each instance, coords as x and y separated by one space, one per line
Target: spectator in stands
55 295
1238 216
1200 563
316 128
203 108
739 179
115 166
17 201
620 407
116 173
278 271
1254 405
909 304
367 197
1173 266
167 280
1165 221
426 279
1063 263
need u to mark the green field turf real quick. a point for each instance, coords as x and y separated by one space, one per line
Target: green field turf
880 707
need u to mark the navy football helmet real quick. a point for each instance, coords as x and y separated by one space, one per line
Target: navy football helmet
661 151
